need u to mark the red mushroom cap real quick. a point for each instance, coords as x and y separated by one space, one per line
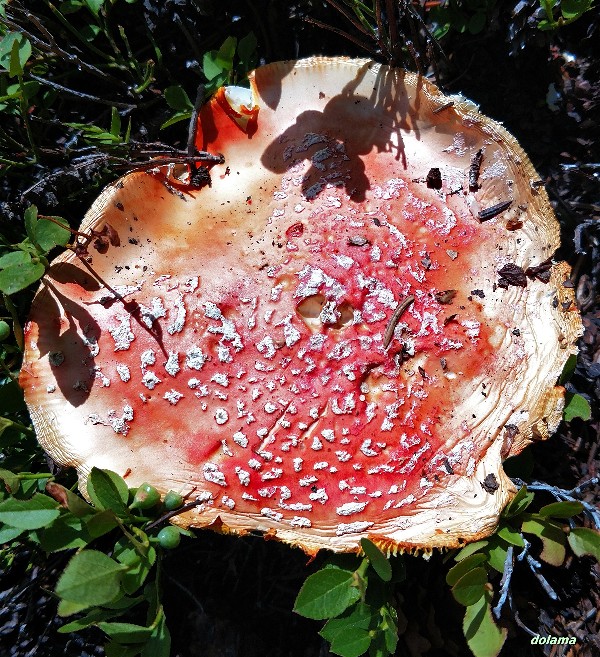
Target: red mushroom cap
342 336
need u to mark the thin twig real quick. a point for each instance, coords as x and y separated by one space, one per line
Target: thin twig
534 566
394 40
175 512
341 33
63 54
509 565
192 129
357 24
80 94
394 319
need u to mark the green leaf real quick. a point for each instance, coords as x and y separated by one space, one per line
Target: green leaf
347 633
470 587
572 9
552 536
37 512
108 491
68 608
90 579
90 32
463 567
70 6
17 278
4 330
326 593
138 566
519 503
96 615
126 632
159 643
14 258
94 5
216 62
49 234
69 500
389 626
176 118
115 122
360 615
484 637
28 89
30 218
351 643
562 509
246 50
178 99
93 616
10 479
210 67
101 523
8 534
585 541
224 58
496 554
468 550
15 50
576 406
568 369
511 536
379 562
65 533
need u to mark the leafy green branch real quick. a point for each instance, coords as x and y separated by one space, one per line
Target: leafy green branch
103 585
358 603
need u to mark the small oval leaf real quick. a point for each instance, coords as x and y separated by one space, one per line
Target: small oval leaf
463 567
90 579
470 587
49 234
484 637
511 536
576 406
553 539
17 278
14 258
379 562
585 541
126 632
35 513
562 509
326 593
108 491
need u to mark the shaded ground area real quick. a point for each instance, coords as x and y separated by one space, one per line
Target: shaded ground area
229 597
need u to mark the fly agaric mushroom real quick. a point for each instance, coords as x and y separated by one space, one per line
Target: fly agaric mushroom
343 335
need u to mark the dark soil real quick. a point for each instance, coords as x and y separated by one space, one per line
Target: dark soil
229 597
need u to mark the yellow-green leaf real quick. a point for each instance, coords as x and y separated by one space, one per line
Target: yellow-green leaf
470 587
552 536
585 541
484 637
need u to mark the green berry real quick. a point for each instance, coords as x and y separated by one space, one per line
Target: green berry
146 497
169 537
172 500
4 330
